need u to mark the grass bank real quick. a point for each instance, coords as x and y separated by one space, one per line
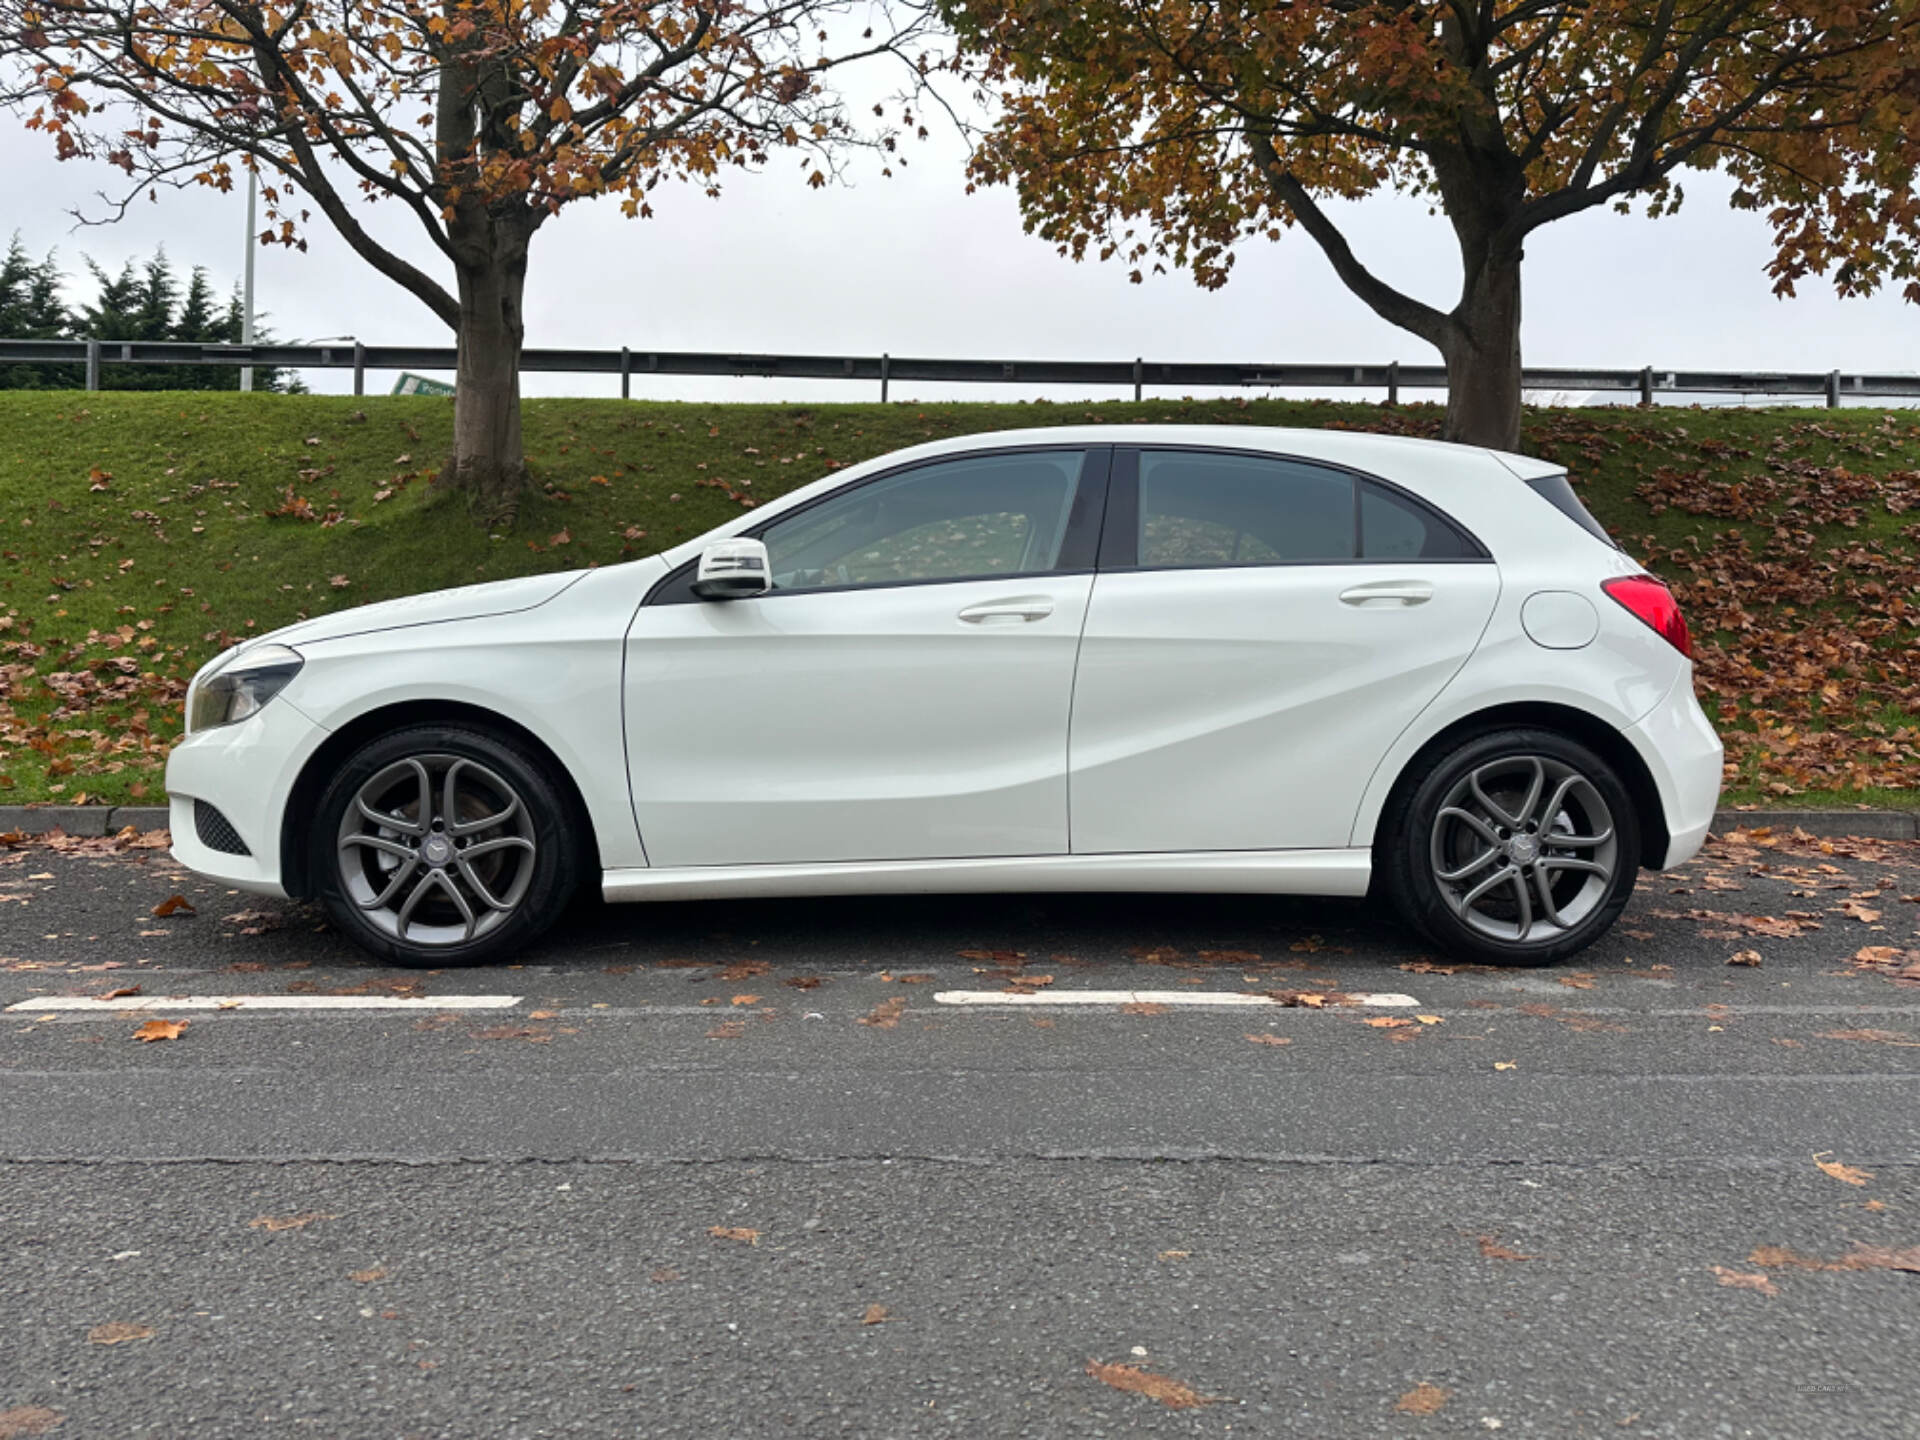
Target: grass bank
141 533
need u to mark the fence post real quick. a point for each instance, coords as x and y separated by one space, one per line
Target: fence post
1138 368
1646 385
886 373
93 364
359 368
1393 383
1833 389
626 371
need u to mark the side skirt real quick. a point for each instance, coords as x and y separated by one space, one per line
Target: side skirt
1269 872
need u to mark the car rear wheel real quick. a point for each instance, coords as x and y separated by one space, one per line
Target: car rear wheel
442 845
1515 847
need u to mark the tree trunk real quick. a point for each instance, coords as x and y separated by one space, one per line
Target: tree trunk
1483 356
488 463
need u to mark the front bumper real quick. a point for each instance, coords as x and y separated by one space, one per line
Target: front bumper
1686 759
247 772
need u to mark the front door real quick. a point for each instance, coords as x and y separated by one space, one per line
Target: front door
903 691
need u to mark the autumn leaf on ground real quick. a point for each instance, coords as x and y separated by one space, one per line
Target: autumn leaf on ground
728 1030
1430 1019
119 1332
1744 957
1144 1007
875 1315
1389 1022
746 1000
738 1233
803 982
1847 1173
532 1034
1505 1064
122 993
1579 980
1424 1399
273 1224
1137 1381
27 1420
173 905
367 1277
1494 1250
1271 1039
886 1014
1231 957
160 1030
1745 1280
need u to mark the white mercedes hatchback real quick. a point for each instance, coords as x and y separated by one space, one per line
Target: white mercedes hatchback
1095 659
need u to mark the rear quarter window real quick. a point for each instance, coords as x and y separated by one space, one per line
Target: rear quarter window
1557 491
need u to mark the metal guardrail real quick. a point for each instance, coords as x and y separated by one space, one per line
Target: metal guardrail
1645 383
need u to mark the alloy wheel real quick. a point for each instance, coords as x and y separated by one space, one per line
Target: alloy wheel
1523 848
436 850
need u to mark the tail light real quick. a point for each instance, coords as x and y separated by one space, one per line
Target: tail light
1653 604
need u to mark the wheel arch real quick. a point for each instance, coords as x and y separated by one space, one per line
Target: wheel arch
1590 730
296 875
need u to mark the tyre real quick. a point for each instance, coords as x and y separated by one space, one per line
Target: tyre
1511 847
443 845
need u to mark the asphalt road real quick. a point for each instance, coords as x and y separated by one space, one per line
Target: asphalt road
739 1170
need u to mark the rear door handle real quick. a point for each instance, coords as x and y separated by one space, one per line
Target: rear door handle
1388 592
1014 611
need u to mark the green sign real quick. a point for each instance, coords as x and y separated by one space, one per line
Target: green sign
412 384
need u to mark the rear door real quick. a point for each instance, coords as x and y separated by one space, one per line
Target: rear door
1260 631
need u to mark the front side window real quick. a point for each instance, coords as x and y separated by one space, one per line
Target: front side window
1203 510
970 518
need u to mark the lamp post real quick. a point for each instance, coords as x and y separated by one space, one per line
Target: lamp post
246 283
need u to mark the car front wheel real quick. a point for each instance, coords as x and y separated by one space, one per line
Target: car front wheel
1516 847
443 845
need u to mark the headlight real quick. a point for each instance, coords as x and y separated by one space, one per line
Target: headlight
242 687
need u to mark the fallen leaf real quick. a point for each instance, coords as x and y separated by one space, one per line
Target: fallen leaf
25 1420
1846 1173
886 1014
275 1223
746 1000
875 1315
803 982
1744 957
1137 1381
122 993
531 1034
1174 1255
1579 980
1389 1022
119 1332
1271 1039
173 905
1494 1250
160 1030
734 1232
1745 1280
1423 1399
1144 1007
541 1014
1505 1064
1231 957
1429 1019
367 1277
728 1030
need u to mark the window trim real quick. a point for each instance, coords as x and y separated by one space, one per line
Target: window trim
1079 546
1120 538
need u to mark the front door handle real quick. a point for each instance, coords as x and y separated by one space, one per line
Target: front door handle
1019 609
1388 592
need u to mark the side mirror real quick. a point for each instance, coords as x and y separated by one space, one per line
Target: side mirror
733 570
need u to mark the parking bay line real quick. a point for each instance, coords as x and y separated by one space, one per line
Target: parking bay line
267 1002
1193 998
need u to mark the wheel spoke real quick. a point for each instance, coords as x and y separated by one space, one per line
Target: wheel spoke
1491 883
1543 882
1579 842
505 842
453 891
485 822
390 820
407 906
400 877
479 886
380 843
1565 862
1472 821
1473 866
1526 905
1550 812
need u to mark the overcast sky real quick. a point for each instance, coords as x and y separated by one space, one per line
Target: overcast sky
915 266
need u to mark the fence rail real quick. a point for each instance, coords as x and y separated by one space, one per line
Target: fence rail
1645 383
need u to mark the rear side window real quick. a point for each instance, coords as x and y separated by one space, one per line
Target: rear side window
1202 510
1394 527
1557 492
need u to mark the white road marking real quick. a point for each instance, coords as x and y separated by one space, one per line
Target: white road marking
1385 1000
269 1002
